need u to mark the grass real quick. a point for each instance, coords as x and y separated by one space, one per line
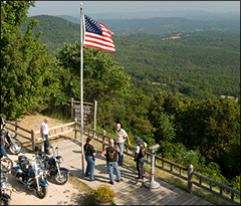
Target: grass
57 115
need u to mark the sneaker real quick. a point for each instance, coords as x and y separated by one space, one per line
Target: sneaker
119 180
111 182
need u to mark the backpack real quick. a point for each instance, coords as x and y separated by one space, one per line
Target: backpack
142 152
111 155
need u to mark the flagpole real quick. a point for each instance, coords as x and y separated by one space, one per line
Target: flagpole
81 86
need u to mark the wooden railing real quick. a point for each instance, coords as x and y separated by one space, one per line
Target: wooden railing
221 188
160 162
17 128
35 135
54 132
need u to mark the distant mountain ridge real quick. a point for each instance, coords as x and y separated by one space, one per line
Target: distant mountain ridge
189 14
160 25
57 30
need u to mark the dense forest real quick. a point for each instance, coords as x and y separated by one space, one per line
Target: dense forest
198 64
188 119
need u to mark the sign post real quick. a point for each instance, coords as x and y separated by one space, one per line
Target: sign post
95 117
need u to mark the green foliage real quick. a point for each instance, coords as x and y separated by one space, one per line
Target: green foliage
235 183
54 33
165 129
213 171
24 61
208 128
206 69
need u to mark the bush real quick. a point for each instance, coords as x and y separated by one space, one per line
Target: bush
103 192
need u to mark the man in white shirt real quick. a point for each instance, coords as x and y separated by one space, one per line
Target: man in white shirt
121 136
44 131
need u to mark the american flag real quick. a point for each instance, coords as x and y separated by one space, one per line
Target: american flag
97 35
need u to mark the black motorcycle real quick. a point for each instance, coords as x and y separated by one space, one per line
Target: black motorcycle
5 197
31 175
15 146
52 166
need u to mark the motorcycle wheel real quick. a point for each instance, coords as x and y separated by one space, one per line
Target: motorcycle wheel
62 180
6 164
6 203
42 193
16 148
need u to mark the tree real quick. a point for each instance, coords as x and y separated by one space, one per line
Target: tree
24 61
102 76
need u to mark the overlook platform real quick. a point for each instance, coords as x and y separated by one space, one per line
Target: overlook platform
129 191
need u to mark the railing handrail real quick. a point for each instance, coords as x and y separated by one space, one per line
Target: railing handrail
19 127
216 182
57 127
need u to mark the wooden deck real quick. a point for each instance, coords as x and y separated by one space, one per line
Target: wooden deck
129 191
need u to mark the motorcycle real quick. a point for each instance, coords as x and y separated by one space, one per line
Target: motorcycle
15 146
5 197
52 166
31 175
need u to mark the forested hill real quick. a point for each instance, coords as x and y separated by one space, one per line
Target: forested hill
199 64
55 31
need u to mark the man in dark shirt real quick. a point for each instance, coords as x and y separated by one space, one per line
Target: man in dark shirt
111 153
90 159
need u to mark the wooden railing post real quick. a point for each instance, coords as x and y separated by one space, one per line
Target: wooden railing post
33 140
16 128
72 104
103 139
189 172
95 118
75 128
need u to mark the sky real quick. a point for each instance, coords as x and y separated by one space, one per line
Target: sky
91 7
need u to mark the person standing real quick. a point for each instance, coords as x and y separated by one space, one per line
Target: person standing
140 152
111 156
121 136
44 131
3 139
90 159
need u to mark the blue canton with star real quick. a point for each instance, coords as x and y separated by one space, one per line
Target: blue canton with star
92 26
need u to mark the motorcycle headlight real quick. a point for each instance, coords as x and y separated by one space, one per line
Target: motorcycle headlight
40 172
3 186
60 159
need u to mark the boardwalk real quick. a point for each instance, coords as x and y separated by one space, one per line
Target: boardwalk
129 192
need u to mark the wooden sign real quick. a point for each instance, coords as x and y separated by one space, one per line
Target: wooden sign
76 112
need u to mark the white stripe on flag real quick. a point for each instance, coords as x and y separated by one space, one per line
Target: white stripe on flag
97 45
